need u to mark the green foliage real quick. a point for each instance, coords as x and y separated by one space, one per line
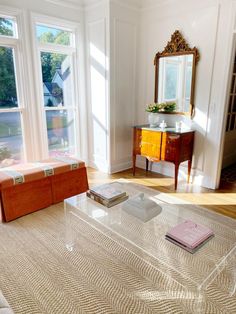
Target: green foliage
47 37
4 27
4 153
51 62
58 94
8 95
62 38
162 107
46 60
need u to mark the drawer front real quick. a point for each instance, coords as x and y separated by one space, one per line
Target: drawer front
150 150
151 144
147 143
170 146
151 137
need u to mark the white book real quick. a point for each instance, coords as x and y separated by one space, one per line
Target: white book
108 191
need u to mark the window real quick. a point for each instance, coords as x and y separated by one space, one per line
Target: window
8 27
176 80
58 106
11 109
47 34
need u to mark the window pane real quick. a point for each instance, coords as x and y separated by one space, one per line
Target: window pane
171 81
52 35
8 94
57 83
11 143
60 129
7 27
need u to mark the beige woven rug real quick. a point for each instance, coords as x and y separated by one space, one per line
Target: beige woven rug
39 275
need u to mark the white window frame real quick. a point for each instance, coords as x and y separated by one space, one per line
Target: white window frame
55 48
16 44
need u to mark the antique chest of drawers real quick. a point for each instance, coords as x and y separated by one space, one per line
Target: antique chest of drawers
167 144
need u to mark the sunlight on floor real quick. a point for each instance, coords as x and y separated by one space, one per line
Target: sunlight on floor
221 201
208 198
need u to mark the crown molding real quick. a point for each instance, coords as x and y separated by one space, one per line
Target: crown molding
152 4
132 4
128 4
71 4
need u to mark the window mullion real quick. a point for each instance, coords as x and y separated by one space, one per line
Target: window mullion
56 48
12 110
8 41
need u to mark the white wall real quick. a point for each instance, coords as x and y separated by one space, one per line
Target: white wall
98 78
123 39
111 30
206 25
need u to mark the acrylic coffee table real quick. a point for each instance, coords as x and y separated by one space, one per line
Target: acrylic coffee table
194 272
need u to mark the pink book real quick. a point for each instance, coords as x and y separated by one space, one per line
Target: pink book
189 234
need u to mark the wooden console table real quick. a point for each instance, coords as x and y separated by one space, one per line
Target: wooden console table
170 145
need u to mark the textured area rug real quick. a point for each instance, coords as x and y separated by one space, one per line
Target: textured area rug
39 275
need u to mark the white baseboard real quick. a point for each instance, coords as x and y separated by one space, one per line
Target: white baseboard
117 167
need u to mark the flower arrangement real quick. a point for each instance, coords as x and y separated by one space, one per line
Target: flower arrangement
162 107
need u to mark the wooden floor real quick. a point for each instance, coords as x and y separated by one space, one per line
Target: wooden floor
222 200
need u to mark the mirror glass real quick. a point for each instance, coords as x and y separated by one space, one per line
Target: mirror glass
175 80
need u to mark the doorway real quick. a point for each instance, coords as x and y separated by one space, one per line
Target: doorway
228 172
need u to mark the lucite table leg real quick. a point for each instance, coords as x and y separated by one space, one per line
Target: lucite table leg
198 297
134 164
69 234
232 266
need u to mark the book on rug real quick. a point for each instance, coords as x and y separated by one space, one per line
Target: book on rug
189 235
108 191
105 202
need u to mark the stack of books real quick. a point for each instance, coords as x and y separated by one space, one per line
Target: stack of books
108 194
189 235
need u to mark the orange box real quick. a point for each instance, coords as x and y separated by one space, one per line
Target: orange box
26 188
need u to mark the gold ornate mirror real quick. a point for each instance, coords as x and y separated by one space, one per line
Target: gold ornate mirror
175 72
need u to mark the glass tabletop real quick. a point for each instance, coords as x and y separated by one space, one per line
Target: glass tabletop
147 239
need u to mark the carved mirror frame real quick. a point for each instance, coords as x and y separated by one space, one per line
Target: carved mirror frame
178 46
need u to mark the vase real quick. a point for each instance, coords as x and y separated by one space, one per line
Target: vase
153 119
